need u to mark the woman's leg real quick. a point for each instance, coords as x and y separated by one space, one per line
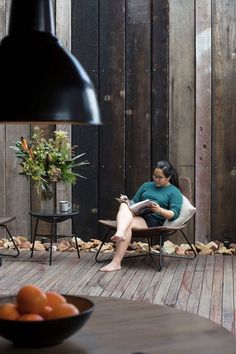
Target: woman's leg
121 247
124 220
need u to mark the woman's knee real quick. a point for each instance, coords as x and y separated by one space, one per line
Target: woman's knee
124 207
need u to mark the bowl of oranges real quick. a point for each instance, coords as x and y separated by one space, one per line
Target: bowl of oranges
34 313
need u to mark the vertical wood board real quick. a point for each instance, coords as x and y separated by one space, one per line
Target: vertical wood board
63 31
17 192
182 86
224 123
85 47
2 19
138 95
182 90
2 126
159 79
112 100
203 120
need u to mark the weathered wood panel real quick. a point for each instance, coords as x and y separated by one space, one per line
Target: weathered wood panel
224 124
148 104
227 299
63 32
2 19
203 121
181 84
2 168
159 81
182 89
196 286
207 285
138 94
7 9
17 192
2 126
85 48
112 98
217 291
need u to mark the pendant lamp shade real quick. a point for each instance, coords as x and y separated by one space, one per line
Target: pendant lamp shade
40 80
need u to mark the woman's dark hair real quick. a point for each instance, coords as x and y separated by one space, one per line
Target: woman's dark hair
169 171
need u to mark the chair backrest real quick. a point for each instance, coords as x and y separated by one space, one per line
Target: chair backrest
187 210
186 187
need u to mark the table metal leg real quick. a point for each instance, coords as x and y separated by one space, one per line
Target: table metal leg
34 236
54 219
53 236
31 228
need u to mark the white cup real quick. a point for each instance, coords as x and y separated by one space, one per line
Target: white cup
64 205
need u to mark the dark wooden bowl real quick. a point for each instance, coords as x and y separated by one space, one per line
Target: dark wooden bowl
48 332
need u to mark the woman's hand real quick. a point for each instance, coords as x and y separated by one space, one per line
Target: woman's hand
167 214
124 197
155 208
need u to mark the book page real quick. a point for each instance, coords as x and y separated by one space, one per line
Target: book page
142 206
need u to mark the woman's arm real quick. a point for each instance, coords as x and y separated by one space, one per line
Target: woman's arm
167 214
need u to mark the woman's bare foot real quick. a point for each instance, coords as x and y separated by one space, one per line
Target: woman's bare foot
110 267
117 238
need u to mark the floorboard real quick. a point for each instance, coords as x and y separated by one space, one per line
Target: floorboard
205 286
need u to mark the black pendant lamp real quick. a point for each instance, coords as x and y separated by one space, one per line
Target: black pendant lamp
40 80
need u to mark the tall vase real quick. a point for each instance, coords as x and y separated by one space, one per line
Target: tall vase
47 204
48 200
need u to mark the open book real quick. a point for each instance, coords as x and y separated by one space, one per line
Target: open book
138 208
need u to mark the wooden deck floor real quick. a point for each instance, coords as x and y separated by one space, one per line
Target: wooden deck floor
205 286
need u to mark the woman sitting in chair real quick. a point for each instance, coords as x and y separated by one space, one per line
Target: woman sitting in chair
167 201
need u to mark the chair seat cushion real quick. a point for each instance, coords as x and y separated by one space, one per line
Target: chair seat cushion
186 212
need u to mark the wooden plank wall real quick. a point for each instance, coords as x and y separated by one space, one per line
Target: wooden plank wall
128 68
224 123
203 120
182 89
189 130
164 71
63 31
85 39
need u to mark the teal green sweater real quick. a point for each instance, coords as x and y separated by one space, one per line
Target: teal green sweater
168 197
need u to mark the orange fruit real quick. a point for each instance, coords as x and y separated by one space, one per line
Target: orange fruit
30 317
45 312
63 310
9 312
55 299
31 299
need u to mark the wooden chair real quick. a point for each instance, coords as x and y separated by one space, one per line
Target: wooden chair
3 223
159 233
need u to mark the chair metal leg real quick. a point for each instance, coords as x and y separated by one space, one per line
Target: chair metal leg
100 247
154 256
157 265
153 234
181 256
12 239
